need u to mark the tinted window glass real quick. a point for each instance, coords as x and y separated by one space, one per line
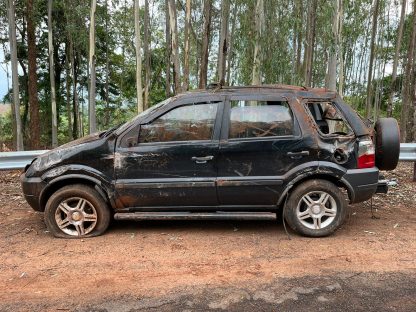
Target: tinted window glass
260 119
185 123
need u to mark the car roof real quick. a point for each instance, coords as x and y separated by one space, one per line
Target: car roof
304 92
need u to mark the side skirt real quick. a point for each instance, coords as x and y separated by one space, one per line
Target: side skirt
196 216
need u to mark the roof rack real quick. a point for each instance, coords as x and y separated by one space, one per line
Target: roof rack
214 85
219 85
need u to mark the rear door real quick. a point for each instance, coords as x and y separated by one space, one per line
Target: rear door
170 161
260 142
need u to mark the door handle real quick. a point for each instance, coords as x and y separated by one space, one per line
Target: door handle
202 160
297 154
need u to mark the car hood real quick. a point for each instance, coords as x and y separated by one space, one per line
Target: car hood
88 138
64 152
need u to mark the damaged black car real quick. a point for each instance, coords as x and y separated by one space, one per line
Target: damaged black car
256 152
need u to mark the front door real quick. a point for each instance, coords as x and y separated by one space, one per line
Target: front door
260 142
170 161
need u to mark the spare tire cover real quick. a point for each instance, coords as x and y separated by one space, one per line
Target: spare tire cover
387 141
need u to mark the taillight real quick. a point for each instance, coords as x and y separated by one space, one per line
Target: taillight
366 154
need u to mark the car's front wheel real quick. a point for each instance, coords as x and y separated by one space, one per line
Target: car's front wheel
76 211
316 208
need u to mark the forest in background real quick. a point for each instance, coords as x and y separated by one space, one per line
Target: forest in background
81 66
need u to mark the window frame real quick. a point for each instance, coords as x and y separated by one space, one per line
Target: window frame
174 105
259 97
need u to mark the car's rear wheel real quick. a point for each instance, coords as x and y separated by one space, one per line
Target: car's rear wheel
76 211
316 208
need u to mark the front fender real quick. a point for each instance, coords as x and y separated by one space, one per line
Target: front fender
76 174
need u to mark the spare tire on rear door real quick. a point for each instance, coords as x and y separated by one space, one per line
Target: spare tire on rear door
387 143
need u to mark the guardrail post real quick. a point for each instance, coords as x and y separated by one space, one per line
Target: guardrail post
414 172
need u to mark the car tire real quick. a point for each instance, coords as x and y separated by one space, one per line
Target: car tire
387 143
315 208
77 211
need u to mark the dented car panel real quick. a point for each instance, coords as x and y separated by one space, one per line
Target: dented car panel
244 173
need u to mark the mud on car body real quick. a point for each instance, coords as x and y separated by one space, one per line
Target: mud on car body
236 152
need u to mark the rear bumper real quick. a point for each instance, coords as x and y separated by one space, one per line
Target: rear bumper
32 188
364 183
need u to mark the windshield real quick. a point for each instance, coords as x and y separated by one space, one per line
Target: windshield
143 114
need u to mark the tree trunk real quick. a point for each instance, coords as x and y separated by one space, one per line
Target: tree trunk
107 69
33 78
68 91
310 42
74 74
396 59
203 71
370 68
341 50
408 78
185 86
168 49
91 110
257 57
223 44
17 125
138 47
231 39
334 51
175 48
52 77
147 53
299 8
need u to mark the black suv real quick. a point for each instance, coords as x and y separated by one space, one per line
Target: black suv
228 152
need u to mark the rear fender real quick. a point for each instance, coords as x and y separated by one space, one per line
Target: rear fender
316 170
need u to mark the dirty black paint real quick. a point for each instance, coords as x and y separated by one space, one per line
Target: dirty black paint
220 173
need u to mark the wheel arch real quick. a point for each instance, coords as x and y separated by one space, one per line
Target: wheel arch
339 182
72 179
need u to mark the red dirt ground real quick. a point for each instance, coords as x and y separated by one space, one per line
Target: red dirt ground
39 272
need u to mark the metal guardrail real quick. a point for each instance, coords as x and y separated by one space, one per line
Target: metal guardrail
408 152
18 160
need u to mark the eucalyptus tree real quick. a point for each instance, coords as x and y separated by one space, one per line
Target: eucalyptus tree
185 86
334 48
407 130
396 58
174 48
147 53
33 76
92 73
369 100
139 88
15 79
257 56
206 35
223 41
52 76
168 47
310 42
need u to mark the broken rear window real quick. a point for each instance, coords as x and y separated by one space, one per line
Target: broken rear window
250 119
328 119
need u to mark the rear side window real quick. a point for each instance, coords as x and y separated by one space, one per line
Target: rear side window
253 119
328 119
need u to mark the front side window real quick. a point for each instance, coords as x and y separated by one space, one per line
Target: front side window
250 119
184 123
